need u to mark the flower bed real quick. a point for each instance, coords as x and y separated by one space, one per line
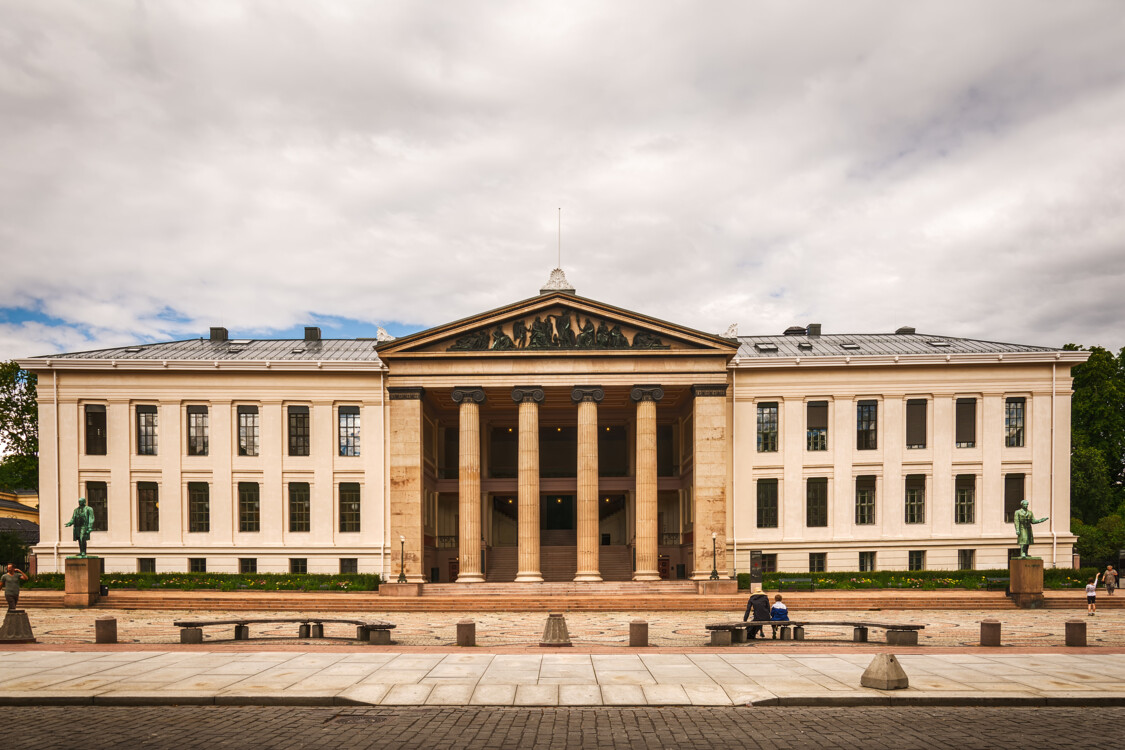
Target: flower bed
926 580
222 581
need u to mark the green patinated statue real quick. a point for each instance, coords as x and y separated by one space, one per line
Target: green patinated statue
1024 535
83 523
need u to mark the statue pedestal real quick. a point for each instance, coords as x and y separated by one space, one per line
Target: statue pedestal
17 628
1025 582
83 581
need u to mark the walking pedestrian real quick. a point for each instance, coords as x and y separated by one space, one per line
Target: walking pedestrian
1109 578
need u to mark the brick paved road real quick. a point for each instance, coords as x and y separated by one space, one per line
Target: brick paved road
215 728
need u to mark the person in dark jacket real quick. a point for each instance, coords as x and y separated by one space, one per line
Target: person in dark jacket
759 604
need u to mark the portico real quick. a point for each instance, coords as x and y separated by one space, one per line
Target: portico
565 460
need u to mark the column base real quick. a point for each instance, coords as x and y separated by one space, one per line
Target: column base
646 575
529 578
470 578
588 577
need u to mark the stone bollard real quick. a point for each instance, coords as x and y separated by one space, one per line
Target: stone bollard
859 634
105 630
361 633
554 632
317 630
638 633
990 633
191 635
720 638
303 630
379 637
1076 632
242 632
884 673
466 633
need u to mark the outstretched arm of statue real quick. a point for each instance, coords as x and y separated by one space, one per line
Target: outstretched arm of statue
70 522
1039 520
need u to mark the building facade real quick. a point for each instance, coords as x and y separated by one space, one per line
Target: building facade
557 438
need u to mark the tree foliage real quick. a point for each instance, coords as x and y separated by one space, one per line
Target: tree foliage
13 550
1098 544
1097 436
19 428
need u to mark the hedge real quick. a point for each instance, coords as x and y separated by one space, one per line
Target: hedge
927 580
222 581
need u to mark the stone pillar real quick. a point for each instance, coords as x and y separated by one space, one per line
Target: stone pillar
646 539
588 399
1025 582
468 485
406 483
709 478
83 581
529 398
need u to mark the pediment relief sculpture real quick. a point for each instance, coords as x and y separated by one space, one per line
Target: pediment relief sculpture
561 329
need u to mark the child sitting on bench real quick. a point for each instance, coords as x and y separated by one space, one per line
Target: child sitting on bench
778 613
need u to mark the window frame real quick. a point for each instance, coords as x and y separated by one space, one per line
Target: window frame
867 561
916 560
249 507
298 565
249 425
353 564
917 409
818 562
971 554
100 441
148 518
348 427
764 510
198 430
768 426
300 508
865 499
867 425
816 438
970 424
146 418
914 499
820 497
99 503
1015 422
247 565
199 507
298 430
350 517
964 499
197 564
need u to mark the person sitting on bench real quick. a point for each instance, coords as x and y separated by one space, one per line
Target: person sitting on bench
759 603
778 613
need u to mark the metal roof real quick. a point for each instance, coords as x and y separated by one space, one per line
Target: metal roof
871 344
28 531
273 350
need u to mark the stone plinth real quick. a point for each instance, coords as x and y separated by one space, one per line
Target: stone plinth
990 633
638 633
555 632
1026 582
105 630
16 628
83 581
466 633
400 589
722 587
1076 632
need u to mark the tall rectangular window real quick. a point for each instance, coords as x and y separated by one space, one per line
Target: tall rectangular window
916 559
298 565
1013 495
816 418
966 559
97 497
349 506
349 430
966 436
816 502
148 506
915 498
965 498
767 503
199 507
249 507
349 565
299 431
300 515
767 427
198 431
865 500
867 425
916 423
866 562
247 565
1014 422
146 564
146 430
818 562
197 564
248 430
95 430
769 562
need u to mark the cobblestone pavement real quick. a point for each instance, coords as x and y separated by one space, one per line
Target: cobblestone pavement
945 628
184 728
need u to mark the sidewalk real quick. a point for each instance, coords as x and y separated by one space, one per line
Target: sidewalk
535 678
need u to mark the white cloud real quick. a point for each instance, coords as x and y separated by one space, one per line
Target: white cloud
169 166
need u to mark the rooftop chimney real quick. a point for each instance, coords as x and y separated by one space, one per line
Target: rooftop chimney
218 333
312 333
905 330
814 329
795 331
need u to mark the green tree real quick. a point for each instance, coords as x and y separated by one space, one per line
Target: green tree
1098 544
13 550
19 428
1097 435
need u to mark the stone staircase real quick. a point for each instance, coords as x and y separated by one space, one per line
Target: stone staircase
560 563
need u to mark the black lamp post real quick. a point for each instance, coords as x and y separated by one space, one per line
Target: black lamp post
714 560
402 560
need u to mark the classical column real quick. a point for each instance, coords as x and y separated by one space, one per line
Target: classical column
646 540
528 397
709 479
587 398
468 484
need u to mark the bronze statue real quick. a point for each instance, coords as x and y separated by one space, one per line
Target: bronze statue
501 340
602 337
644 340
540 334
617 339
475 341
519 333
1024 519
586 336
565 337
83 522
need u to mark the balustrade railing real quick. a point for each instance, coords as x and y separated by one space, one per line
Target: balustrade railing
670 538
447 542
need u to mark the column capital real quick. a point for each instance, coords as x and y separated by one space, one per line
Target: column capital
593 393
646 393
523 393
405 394
464 393
709 389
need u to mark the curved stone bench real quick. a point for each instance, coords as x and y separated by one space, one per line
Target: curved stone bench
371 631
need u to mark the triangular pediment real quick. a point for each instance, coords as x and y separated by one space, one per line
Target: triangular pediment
557 324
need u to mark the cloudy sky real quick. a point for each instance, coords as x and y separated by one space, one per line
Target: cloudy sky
167 166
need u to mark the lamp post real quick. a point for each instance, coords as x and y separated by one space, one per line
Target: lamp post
714 563
402 560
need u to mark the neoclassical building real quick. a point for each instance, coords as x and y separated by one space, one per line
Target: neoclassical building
556 438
